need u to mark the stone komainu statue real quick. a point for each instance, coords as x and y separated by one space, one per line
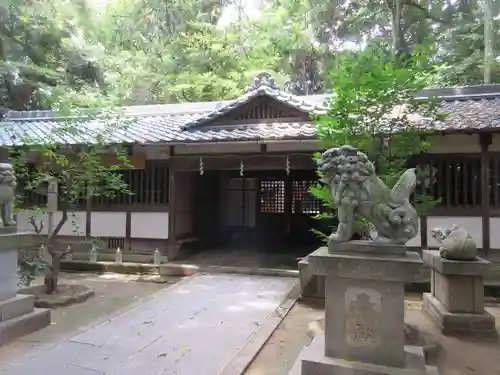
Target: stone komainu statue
7 194
357 190
455 243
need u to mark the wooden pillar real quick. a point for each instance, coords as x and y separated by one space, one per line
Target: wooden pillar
423 218
128 229
485 141
423 231
172 241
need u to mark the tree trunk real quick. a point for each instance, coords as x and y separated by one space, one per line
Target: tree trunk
489 59
52 275
398 38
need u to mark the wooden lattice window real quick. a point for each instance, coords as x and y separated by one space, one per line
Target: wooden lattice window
272 196
453 179
303 201
116 242
148 186
263 110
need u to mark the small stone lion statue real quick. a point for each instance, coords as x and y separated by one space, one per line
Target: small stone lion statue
455 243
8 185
357 190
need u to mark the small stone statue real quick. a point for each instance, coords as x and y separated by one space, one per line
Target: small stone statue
8 185
455 243
357 190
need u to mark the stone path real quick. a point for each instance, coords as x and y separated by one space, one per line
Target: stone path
194 327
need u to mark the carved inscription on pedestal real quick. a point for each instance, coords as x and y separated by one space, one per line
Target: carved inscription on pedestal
363 315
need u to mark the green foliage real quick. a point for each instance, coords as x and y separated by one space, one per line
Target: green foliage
69 154
79 171
42 45
373 108
28 267
149 52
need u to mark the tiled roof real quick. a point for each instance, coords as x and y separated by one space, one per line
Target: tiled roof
175 123
164 129
482 114
183 123
298 102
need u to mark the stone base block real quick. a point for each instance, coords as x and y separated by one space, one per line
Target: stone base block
16 306
311 286
312 361
458 324
24 325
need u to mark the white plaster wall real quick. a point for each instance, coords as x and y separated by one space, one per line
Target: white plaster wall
417 240
108 224
75 226
449 144
495 232
149 225
472 224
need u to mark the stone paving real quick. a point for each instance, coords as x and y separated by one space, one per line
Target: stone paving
194 327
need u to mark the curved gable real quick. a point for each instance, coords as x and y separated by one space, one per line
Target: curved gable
263 102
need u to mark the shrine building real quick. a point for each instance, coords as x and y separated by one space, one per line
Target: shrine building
233 173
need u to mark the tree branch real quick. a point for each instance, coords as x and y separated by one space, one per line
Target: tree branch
69 250
69 185
38 229
59 225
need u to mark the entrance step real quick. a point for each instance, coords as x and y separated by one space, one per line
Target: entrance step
23 325
16 306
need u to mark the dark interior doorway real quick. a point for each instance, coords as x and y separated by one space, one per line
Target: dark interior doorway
268 211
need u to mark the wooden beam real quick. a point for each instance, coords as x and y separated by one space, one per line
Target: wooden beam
485 140
252 162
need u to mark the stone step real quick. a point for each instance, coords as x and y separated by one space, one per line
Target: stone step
23 325
16 306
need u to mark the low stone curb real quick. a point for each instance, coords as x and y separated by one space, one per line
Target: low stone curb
170 269
245 356
72 299
123 268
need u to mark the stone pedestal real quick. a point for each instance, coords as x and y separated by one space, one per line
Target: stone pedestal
364 312
18 316
456 301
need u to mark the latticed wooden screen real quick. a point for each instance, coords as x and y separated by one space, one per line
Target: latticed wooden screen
148 186
302 200
272 196
453 179
263 110
115 242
